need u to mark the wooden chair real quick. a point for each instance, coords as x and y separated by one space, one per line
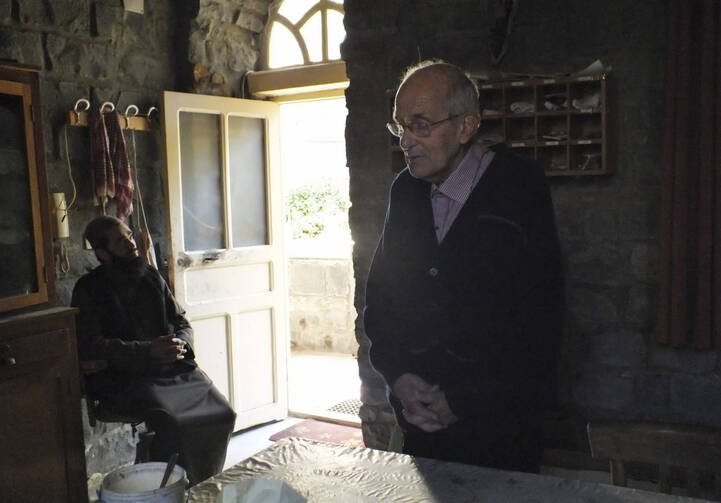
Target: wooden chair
693 449
96 412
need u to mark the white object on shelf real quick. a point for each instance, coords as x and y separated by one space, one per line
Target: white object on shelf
136 6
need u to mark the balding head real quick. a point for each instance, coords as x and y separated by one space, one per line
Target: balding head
459 91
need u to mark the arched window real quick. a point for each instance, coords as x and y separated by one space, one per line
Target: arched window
300 53
303 32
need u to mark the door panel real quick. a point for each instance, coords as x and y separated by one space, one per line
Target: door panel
228 263
255 356
223 283
214 333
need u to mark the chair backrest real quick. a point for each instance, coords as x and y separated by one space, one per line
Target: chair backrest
97 413
693 448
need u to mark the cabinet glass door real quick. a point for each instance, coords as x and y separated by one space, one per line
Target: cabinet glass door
21 244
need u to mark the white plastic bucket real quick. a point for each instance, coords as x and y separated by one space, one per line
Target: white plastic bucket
140 484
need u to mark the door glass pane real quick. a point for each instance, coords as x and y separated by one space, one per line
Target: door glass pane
17 246
247 166
201 173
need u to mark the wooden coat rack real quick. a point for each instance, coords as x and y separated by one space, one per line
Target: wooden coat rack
79 116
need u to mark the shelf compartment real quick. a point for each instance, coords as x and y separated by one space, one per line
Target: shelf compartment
492 130
586 127
553 158
552 97
587 158
553 128
521 129
520 99
491 103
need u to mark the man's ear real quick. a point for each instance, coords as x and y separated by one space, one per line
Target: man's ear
469 127
102 254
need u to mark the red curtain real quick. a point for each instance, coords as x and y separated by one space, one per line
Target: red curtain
690 290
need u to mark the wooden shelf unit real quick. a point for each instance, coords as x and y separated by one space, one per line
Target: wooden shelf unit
567 141
567 138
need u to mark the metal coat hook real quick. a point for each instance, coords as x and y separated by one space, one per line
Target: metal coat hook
107 104
130 111
81 101
150 112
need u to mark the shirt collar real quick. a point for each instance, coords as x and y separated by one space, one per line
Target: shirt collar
461 181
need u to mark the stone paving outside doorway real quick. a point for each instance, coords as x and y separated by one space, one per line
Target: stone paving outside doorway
324 385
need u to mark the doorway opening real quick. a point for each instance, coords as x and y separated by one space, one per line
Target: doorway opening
323 377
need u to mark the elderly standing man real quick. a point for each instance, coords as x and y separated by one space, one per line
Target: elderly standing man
464 296
129 317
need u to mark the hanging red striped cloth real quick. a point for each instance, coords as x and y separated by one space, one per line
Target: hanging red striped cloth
101 168
121 165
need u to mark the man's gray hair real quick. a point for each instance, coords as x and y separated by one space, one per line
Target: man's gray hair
462 94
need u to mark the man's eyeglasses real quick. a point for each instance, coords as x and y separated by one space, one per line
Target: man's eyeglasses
419 127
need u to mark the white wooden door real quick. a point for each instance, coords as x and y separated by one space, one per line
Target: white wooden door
227 261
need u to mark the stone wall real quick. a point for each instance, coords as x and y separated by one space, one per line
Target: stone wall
611 364
320 305
225 44
95 50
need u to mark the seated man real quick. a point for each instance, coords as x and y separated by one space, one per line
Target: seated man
129 317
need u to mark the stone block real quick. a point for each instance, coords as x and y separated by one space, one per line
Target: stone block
69 15
603 223
141 32
243 50
33 13
23 47
645 262
306 279
697 398
57 99
642 307
617 349
6 9
107 19
593 309
604 391
339 278
141 69
75 58
258 6
220 11
689 361
249 20
653 395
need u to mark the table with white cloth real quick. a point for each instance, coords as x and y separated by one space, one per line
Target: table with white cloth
327 473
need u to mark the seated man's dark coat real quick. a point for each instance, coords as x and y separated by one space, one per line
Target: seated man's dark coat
120 314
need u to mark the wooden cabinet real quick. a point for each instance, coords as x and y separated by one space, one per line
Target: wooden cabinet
27 271
41 440
559 122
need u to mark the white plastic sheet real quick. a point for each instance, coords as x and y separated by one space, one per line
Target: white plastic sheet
325 473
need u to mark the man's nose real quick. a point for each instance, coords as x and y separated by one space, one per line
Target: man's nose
407 139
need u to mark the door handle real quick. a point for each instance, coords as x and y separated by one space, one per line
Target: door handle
211 256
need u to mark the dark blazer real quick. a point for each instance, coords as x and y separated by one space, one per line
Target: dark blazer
118 321
480 313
